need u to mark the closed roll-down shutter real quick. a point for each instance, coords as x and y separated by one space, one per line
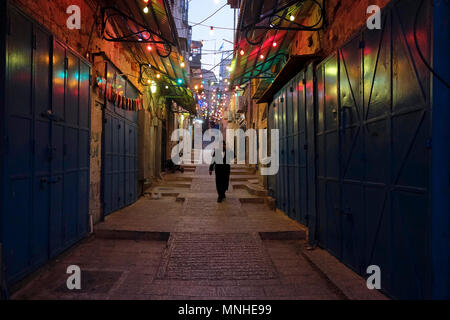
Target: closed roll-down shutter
46 156
120 161
374 153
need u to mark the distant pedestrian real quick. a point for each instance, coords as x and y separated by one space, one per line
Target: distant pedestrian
222 174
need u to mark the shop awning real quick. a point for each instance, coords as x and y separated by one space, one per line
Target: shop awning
266 30
148 30
294 65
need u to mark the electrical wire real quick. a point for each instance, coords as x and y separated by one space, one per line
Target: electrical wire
425 62
210 16
94 25
216 51
202 25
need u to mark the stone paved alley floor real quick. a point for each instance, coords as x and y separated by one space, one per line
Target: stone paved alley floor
177 242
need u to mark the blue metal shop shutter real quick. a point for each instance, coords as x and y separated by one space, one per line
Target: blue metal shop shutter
290 161
69 151
271 125
47 152
20 181
279 189
374 140
280 176
120 150
285 153
310 149
328 157
295 174
301 151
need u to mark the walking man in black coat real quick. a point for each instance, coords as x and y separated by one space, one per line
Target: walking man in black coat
222 174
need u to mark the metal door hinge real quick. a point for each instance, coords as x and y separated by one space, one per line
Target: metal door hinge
66 63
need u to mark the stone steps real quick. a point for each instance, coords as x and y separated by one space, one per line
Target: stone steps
252 189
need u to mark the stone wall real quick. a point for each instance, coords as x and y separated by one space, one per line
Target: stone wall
343 19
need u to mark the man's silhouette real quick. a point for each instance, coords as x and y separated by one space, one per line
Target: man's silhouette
222 174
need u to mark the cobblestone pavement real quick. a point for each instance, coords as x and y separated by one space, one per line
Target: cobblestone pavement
214 251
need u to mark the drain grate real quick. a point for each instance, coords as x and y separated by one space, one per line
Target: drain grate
216 257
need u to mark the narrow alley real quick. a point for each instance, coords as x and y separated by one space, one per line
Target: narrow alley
177 242
224 150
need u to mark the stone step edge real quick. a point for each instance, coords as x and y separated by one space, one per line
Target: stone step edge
283 235
149 195
251 189
341 276
113 234
262 200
